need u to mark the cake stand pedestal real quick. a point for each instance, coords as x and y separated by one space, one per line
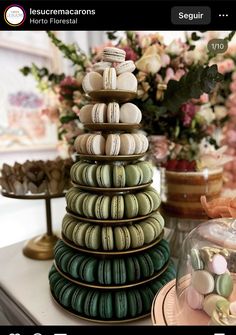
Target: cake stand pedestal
40 247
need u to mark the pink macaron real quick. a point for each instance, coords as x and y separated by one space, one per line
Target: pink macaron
194 299
218 265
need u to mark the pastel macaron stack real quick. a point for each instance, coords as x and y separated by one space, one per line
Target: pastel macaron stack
112 73
112 258
211 283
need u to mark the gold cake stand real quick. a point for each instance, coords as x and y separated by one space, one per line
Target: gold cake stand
40 247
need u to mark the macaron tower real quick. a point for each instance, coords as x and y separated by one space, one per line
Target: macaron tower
112 258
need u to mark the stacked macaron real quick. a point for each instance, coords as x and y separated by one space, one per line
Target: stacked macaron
107 305
111 176
113 271
116 207
110 113
112 144
211 283
112 73
125 237
112 258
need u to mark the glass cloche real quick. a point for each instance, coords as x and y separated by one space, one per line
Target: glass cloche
206 275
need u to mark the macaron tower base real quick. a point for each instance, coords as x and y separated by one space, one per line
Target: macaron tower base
112 258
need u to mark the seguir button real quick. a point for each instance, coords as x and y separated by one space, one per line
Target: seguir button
191 15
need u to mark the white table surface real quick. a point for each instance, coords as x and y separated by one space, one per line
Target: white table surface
25 281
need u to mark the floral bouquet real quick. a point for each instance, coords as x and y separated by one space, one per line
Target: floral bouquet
176 85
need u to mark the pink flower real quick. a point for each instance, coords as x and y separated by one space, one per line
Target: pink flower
233 86
130 54
165 60
179 74
204 98
226 66
232 111
231 137
159 147
169 75
188 110
69 81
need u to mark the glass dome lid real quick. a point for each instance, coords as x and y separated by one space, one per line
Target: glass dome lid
206 274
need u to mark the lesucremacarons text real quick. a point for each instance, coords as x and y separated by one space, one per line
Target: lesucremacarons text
75 13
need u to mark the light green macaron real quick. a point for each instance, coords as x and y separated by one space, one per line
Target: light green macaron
131 206
119 179
104 175
134 175
117 207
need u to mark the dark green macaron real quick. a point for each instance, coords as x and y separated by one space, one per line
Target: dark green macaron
147 298
119 271
134 300
146 265
91 303
78 299
105 272
121 304
88 269
105 306
133 270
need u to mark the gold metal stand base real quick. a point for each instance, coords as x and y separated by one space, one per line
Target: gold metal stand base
40 247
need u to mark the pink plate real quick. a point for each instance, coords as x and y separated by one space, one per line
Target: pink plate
165 310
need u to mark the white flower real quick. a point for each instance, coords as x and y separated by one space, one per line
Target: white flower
207 113
175 48
220 112
150 62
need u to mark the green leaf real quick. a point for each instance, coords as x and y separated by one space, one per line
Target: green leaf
70 51
193 84
68 118
192 47
195 37
111 35
26 70
230 36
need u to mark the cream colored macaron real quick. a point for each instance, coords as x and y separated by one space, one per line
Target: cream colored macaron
127 144
113 55
126 66
92 82
113 112
127 81
130 113
80 143
101 66
99 113
95 144
85 114
109 79
145 143
112 145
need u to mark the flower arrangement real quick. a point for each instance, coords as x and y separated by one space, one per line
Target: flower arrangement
176 83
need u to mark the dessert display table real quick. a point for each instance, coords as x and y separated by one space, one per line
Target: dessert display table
25 294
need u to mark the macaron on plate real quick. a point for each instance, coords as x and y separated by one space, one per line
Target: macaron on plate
115 95
111 287
113 190
110 158
96 320
163 311
112 253
103 306
108 221
107 127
